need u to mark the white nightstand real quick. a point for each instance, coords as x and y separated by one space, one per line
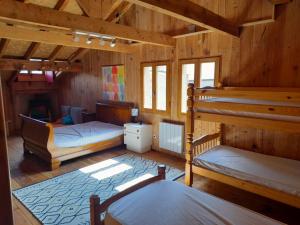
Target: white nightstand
138 137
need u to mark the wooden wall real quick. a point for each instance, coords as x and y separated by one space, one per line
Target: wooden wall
265 55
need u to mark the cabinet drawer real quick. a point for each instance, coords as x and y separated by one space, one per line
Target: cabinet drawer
130 138
131 129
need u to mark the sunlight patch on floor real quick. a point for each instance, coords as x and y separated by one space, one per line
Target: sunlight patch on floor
129 184
98 166
111 171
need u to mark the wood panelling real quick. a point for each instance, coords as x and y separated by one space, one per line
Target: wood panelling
265 55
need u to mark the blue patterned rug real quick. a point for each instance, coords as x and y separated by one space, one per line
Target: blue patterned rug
65 199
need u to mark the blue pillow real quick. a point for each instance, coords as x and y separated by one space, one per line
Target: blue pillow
67 120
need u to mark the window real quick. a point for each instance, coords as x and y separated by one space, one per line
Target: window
201 72
156 87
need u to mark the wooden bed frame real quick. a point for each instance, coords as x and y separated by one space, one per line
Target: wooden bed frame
38 136
196 146
96 209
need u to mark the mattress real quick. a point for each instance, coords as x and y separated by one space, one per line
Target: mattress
85 133
270 171
252 114
172 203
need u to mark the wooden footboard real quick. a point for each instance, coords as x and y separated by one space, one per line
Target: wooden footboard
199 146
96 209
38 138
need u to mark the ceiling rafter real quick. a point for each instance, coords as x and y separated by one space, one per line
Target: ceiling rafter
197 14
31 50
60 5
16 11
55 52
78 54
115 15
3 46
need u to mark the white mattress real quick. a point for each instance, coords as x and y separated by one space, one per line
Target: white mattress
252 114
85 133
172 203
274 172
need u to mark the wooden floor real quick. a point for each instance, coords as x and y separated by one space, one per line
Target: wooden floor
30 170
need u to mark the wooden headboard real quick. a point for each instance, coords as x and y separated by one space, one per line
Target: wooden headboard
114 112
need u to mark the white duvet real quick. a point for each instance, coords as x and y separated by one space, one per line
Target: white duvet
85 133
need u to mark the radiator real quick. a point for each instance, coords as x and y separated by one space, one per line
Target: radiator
171 137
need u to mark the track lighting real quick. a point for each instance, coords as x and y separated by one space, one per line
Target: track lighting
89 40
76 38
101 42
113 43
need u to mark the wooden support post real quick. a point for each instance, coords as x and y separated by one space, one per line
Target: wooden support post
161 171
6 214
95 216
189 135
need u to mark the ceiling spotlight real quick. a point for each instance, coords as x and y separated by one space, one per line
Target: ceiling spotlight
101 42
76 38
113 43
89 40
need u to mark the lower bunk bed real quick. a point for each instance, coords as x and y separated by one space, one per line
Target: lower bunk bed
160 202
56 144
261 108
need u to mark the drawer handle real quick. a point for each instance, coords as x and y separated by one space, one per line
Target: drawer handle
137 137
137 131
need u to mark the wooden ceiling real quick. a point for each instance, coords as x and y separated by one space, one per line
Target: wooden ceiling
46 32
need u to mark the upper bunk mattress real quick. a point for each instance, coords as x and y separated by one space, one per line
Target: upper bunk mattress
252 114
274 172
172 203
85 133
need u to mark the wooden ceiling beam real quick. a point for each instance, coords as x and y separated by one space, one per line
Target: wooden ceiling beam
19 64
192 13
55 52
55 38
61 4
3 46
115 15
17 11
78 54
31 50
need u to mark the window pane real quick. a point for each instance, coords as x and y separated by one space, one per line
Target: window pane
207 74
148 87
188 76
161 87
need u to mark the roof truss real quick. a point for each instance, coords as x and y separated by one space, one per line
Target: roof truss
17 11
197 14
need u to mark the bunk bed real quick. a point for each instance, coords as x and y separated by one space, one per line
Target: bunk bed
57 144
276 109
157 201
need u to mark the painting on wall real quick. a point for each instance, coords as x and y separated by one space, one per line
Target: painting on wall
113 83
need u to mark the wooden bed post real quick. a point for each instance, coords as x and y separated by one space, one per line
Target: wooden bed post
161 171
95 216
189 135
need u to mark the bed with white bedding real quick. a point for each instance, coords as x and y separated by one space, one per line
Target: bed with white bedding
57 144
274 172
85 133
